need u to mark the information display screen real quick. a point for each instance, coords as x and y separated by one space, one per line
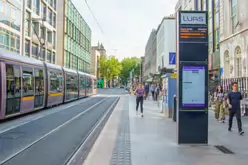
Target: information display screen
193 86
193 34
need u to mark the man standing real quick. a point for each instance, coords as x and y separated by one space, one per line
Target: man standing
233 101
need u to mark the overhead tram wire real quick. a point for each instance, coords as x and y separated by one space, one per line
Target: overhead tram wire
94 16
98 24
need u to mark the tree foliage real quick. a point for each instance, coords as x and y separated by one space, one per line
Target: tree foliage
127 65
109 67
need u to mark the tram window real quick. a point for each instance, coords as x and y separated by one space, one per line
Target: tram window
71 83
13 81
56 82
82 83
39 81
28 82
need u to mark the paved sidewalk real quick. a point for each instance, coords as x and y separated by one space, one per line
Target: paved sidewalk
128 139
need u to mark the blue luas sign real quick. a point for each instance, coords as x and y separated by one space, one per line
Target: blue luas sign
172 58
193 18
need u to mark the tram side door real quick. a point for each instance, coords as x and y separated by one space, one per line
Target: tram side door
13 89
39 88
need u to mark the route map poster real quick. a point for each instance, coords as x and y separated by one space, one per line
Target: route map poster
193 86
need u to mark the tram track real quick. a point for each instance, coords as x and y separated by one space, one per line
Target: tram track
17 140
31 154
80 153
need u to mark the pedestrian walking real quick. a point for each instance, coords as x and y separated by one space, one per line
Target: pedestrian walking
219 102
153 91
140 92
233 100
146 91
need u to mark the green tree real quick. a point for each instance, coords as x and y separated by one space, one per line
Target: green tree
127 65
110 67
114 68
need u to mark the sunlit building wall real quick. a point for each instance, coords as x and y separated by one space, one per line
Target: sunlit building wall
150 62
10 25
39 29
234 38
166 43
74 38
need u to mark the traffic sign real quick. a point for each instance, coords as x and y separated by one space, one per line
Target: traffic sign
172 58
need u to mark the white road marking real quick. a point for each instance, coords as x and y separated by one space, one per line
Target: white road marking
52 131
72 159
44 115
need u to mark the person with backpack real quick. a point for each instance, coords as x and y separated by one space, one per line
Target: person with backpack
233 100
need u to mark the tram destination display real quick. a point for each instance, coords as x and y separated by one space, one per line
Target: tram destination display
193 34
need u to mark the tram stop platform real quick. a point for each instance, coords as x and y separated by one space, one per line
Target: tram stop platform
128 139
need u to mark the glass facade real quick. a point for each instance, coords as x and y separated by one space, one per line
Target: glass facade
77 40
47 11
10 15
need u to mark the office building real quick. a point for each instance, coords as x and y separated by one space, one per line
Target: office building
100 48
150 62
95 63
10 25
233 39
166 44
74 38
39 29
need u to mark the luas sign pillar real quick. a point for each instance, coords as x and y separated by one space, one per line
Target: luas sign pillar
192 66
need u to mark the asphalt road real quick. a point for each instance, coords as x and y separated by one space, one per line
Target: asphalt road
50 139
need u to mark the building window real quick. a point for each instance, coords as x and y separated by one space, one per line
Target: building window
51 3
28 3
36 6
49 17
42 33
13 43
234 15
49 37
43 11
54 40
27 24
54 4
13 14
53 58
42 54
217 38
35 50
49 56
238 61
54 20
67 59
2 6
217 20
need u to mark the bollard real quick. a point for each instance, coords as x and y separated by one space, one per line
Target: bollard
175 109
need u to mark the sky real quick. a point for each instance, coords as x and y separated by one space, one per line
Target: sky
126 24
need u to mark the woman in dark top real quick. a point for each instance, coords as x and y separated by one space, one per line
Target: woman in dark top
140 92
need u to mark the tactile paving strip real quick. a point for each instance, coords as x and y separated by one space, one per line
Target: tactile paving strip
122 151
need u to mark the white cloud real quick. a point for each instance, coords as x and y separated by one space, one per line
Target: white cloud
126 23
